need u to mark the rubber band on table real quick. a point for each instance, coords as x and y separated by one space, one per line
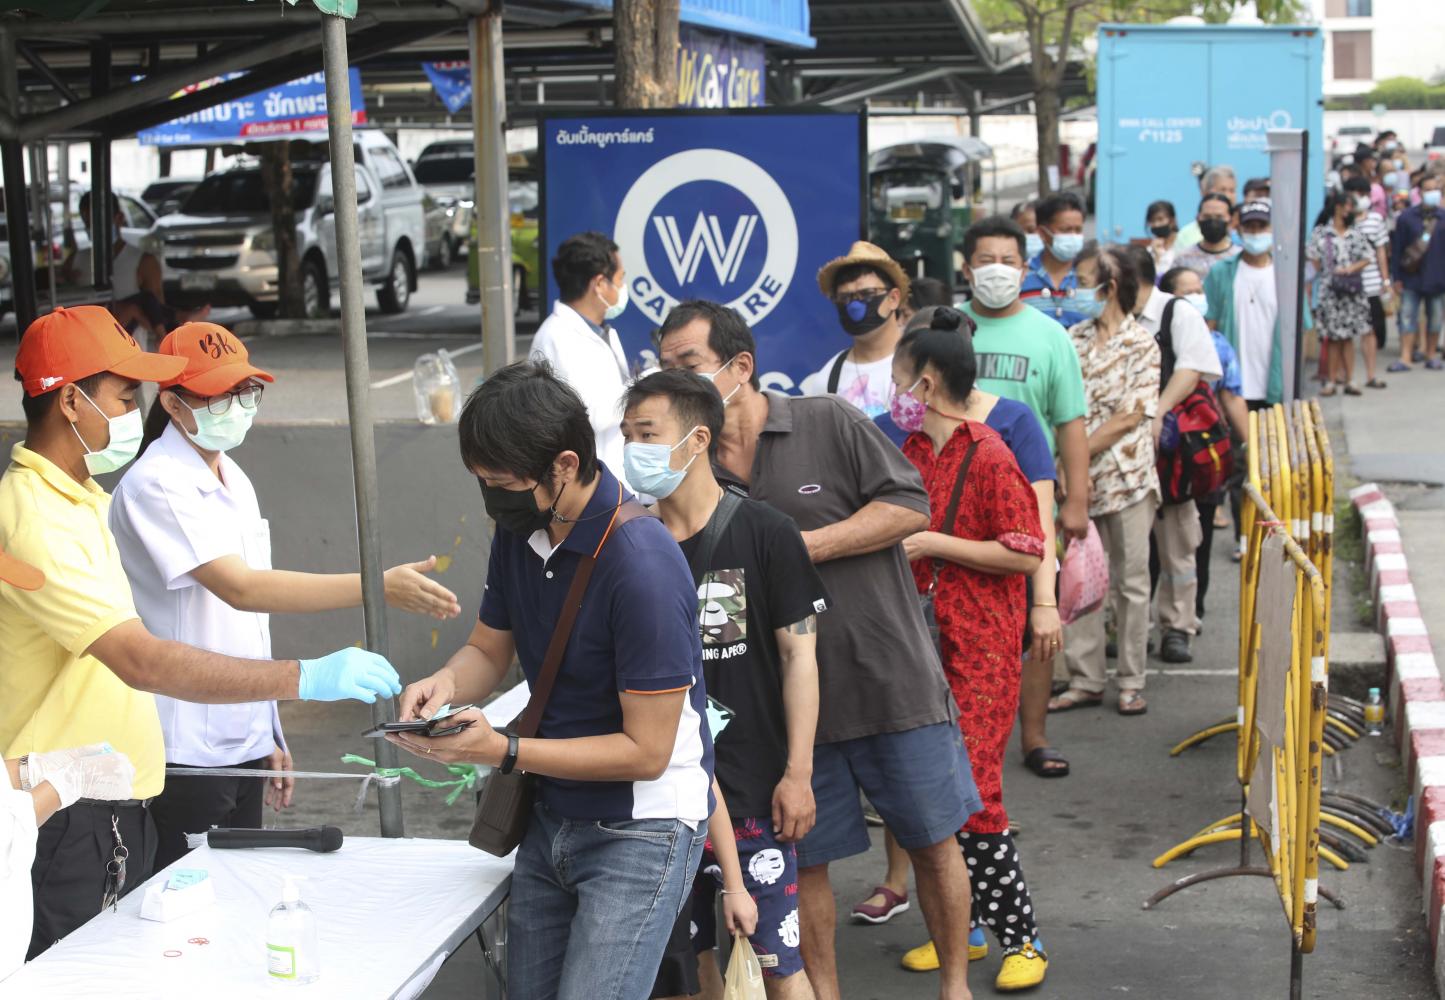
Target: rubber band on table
172 953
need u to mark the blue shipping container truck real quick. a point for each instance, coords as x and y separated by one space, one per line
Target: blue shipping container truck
1174 95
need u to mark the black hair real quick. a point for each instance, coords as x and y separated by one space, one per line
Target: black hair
1216 196
579 259
36 408
1021 208
728 334
1160 207
1143 262
952 319
156 422
852 272
1334 200
946 344
694 400
1170 279
924 292
992 226
1051 207
521 418
1357 185
1116 267
1254 184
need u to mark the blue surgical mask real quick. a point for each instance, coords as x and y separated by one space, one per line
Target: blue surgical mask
617 308
1085 302
223 432
1198 301
1431 198
1257 243
1066 246
649 470
1033 244
126 432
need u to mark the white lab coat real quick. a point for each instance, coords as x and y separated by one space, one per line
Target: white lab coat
597 369
17 853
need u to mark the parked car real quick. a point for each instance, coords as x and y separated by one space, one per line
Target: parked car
166 195
1435 148
445 169
1347 137
220 247
524 202
440 242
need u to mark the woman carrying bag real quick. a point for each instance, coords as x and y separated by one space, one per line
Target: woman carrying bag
1340 254
198 555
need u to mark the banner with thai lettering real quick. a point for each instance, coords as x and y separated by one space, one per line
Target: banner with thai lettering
289 111
452 81
719 71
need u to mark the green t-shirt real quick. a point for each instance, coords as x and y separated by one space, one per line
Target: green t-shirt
1029 357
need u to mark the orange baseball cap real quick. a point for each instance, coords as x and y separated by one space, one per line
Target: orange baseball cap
216 360
20 574
68 345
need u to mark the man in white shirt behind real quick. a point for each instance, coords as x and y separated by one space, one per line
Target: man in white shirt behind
578 341
1177 531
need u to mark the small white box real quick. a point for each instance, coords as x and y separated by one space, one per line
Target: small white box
164 903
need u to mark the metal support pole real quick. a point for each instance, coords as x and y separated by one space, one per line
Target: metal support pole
358 387
100 211
40 171
494 216
1289 169
12 161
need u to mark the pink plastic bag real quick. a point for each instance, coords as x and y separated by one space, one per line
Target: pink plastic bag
1084 577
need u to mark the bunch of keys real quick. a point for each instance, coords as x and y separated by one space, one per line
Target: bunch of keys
114 869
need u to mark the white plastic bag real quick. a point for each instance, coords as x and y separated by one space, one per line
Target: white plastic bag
744 980
437 388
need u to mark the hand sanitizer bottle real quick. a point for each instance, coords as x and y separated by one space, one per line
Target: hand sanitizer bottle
291 947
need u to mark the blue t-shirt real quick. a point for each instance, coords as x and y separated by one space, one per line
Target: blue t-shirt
636 633
1015 423
1229 364
1038 290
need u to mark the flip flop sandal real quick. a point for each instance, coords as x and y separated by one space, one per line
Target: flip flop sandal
1328 390
1038 759
1071 699
1377 383
1132 703
1353 390
1398 366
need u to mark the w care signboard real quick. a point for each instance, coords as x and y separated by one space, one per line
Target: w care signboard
740 207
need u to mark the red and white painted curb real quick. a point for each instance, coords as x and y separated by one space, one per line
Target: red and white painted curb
1416 698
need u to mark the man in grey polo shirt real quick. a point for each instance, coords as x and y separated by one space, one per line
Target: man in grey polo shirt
886 718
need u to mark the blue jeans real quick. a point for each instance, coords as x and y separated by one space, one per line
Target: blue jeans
1409 315
593 905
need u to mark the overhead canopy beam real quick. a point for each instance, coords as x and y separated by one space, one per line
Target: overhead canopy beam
255 18
851 93
49 75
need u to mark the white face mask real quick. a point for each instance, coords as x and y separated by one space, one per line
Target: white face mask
126 432
619 307
996 286
223 432
712 377
1198 301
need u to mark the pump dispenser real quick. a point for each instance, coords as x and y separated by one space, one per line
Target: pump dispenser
292 955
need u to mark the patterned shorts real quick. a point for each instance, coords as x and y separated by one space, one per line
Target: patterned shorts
770 873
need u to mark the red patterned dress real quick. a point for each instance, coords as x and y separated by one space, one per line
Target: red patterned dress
980 615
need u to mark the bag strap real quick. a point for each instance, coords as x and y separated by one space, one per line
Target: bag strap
711 533
950 513
1165 339
835 375
531 717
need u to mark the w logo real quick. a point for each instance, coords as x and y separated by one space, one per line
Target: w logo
706 238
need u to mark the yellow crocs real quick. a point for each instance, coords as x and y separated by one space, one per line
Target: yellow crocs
924 958
1022 970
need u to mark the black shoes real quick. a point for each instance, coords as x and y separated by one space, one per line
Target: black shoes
1175 647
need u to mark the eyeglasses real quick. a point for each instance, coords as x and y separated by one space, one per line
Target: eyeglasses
249 396
861 295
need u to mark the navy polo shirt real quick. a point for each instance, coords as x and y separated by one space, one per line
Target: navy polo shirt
636 633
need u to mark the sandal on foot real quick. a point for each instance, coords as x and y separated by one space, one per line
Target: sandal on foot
1328 390
1046 762
873 913
924 958
1072 699
1434 364
1353 390
1376 383
1397 366
1132 703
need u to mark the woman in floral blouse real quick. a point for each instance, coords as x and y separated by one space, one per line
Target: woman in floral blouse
985 539
1120 363
1340 254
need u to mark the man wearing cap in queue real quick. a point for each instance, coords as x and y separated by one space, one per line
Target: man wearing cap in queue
868 288
1244 307
77 666
198 554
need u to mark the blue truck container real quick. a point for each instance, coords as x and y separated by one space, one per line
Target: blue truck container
1171 96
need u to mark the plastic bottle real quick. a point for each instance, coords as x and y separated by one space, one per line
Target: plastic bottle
437 388
1374 713
292 955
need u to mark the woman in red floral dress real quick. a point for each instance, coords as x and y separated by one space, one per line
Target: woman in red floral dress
975 561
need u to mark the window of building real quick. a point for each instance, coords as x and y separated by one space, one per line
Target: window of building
1349 8
1352 52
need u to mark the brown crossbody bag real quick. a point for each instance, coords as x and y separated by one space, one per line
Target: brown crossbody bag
504 806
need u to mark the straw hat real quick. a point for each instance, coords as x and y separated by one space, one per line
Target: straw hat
863 252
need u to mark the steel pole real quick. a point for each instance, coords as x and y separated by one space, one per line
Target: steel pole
494 217
12 162
358 388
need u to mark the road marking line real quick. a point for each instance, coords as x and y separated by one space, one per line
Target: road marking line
387 383
431 310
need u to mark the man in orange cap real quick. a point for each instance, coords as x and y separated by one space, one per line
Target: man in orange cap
77 667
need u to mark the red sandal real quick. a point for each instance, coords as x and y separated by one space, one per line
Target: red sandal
893 904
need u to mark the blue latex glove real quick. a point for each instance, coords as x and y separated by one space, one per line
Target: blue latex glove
348 673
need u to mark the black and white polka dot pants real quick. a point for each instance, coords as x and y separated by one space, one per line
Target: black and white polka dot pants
1000 896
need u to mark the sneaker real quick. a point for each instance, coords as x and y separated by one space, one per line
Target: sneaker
1022 969
1175 647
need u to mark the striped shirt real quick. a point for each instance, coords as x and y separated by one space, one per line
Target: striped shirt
1372 227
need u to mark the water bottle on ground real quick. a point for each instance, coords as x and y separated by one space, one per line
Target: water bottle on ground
292 955
1374 713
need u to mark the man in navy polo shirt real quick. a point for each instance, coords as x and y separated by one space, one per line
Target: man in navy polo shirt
1051 284
623 751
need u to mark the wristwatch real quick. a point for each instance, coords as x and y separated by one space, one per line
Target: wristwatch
510 760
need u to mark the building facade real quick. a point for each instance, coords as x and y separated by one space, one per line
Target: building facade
1371 40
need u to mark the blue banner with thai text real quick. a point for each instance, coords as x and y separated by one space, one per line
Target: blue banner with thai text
285 112
719 71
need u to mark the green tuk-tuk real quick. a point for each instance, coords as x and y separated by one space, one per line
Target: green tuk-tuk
921 201
523 202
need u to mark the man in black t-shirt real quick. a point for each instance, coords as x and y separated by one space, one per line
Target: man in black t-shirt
758 600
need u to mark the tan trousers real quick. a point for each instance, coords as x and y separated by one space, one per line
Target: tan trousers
1125 535
1177 533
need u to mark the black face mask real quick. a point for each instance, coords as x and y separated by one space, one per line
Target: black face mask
858 318
1213 230
1162 231
515 510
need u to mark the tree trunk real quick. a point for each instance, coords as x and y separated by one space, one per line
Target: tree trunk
1046 121
644 37
276 175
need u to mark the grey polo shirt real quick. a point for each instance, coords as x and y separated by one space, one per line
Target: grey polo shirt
820 460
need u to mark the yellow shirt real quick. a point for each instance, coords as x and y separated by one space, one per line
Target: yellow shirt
52 695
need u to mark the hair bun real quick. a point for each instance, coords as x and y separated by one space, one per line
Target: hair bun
945 318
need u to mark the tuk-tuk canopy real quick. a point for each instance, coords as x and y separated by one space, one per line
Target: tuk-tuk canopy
948 154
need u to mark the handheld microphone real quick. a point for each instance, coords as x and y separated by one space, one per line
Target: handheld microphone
322 840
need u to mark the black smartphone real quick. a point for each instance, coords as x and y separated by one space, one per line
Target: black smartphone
422 727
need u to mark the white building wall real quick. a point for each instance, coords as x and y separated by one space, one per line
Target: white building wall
1407 39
